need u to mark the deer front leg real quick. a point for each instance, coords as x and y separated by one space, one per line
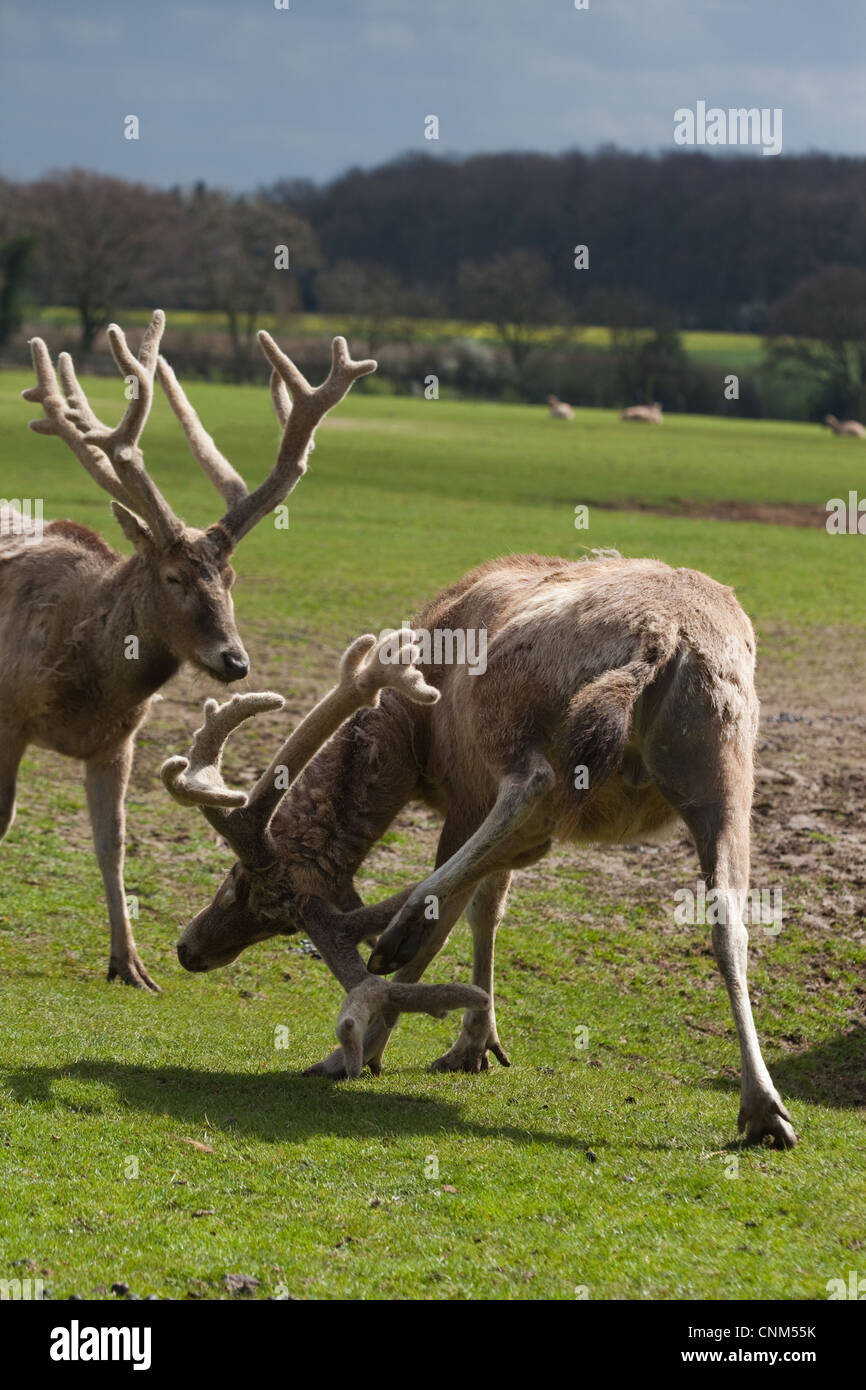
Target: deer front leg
106 780
518 796
367 996
478 1036
379 1032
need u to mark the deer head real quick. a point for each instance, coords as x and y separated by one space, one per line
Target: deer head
262 896
186 572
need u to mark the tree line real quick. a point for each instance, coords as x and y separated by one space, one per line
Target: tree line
644 245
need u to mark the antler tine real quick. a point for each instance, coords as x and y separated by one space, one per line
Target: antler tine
308 408
121 443
281 399
343 373
245 821
62 419
148 348
79 408
364 672
285 367
127 434
197 780
228 483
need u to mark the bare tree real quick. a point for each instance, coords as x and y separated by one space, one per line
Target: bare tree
247 256
371 294
17 249
513 291
821 325
103 244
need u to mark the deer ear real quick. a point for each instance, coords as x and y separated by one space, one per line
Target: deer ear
221 542
133 527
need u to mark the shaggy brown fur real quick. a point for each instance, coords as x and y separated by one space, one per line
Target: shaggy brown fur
618 694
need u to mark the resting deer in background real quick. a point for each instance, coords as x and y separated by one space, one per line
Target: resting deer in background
73 612
559 410
644 414
618 694
853 428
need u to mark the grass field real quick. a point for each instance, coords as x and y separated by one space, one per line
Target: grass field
611 1169
734 351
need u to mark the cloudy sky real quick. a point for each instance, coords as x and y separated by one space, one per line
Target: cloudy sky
238 93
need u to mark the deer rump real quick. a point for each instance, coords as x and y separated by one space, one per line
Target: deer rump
585 660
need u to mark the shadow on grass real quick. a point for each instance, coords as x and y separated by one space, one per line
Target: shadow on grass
831 1073
277 1106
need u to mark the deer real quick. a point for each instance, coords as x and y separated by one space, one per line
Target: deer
265 893
852 428
88 636
618 698
644 414
559 410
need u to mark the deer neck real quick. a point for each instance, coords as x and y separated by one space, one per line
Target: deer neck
127 620
347 797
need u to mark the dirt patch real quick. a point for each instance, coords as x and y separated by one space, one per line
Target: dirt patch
728 509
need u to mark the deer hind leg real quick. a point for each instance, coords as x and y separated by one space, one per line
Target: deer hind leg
713 796
12 747
478 1035
106 781
519 795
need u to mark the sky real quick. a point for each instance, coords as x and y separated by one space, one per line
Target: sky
239 93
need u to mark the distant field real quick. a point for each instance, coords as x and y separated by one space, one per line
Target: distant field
322 1190
733 348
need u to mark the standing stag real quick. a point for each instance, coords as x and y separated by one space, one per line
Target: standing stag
87 636
618 694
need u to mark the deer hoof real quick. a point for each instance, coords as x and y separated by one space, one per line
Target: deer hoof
401 940
131 971
470 1057
333 1067
767 1119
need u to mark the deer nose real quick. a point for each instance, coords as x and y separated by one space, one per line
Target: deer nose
188 961
235 666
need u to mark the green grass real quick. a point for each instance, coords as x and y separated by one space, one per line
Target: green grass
324 1190
734 349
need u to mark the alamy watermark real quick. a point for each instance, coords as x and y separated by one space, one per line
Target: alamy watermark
22 517
444 646
735 126
717 906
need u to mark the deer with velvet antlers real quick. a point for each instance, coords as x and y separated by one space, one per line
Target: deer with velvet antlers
274 892
72 679
618 695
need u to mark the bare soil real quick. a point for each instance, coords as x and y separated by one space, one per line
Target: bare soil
727 509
